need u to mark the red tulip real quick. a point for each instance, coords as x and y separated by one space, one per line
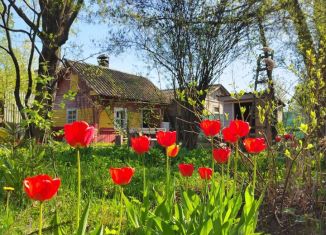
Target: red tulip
221 155
240 128
186 170
173 150
288 136
278 138
229 135
140 144
254 145
236 130
205 173
41 187
122 176
79 134
166 138
210 127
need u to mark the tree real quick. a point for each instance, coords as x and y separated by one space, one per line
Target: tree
192 41
50 22
311 44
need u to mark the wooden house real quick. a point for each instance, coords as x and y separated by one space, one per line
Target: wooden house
114 102
232 107
212 104
221 105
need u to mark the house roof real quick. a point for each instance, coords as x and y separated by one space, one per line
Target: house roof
169 93
215 87
115 84
248 96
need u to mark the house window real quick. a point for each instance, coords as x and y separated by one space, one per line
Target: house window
71 115
216 110
120 118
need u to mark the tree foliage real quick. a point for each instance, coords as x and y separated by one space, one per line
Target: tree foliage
193 41
49 23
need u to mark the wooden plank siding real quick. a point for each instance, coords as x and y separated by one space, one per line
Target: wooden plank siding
100 116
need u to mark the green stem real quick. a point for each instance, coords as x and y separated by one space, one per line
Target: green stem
78 187
167 174
212 145
121 209
254 178
41 215
222 165
213 163
7 204
144 178
228 169
236 164
206 191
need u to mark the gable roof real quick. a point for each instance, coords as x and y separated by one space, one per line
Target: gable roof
220 87
169 93
250 96
115 84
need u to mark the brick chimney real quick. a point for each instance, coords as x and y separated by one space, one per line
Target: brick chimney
103 60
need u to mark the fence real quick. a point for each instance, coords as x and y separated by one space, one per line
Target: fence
9 112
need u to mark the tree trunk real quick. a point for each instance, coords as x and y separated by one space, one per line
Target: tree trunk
46 86
187 125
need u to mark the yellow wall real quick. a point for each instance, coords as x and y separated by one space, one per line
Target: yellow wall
134 119
106 118
74 83
60 116
85 114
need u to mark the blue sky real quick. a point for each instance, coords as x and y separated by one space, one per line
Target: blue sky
88 36
84 42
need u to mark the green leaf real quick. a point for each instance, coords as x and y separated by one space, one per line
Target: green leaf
83 221
304 128
207 227
99 230
56 224
309 146
132 212
4 134
167 228
287 153
176 211
109 231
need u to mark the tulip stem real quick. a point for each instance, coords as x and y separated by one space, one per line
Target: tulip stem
206 196
228 170
41 215
144 178
236 164
212 144
78 187
254 178
7 204
167 174
121 208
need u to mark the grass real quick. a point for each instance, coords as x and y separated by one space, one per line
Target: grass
97 186
59 160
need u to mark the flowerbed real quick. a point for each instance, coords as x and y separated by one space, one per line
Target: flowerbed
138 190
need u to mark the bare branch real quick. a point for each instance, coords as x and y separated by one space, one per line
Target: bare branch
25 18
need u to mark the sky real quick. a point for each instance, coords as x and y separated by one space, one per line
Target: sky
84 40
237 76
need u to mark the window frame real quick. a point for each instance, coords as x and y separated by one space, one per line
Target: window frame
115 111
67 114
